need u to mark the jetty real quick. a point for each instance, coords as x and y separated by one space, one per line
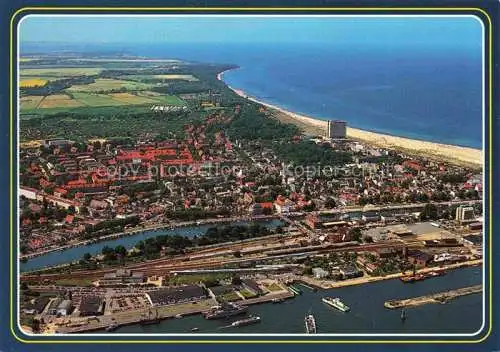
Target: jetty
441 297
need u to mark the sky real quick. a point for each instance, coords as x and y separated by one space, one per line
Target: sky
449 31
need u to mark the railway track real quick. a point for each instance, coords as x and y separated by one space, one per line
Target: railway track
163 266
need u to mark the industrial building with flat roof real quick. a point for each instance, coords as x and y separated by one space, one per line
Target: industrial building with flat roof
122 277
173 295
91 305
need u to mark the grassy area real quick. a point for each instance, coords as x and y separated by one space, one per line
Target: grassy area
31 101
189 78
274 287
230 297
108 84
89 99
60 71
247 293
169 100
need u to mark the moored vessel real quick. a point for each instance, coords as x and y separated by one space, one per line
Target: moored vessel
225 311
111 327
150 319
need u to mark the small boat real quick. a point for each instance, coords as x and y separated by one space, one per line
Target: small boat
250 320
179 316
111 327
403 314
195 329
310 324
277 300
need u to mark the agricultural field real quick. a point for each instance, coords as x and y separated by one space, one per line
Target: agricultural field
128 98
61 71
45 78
189 78
59 101
108 84
87 99
32 82
31 101
163 99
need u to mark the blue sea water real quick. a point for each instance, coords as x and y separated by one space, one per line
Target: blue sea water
432 93
424 92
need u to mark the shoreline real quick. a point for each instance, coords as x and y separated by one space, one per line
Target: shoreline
438 151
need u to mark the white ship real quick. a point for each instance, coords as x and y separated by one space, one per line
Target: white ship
336 303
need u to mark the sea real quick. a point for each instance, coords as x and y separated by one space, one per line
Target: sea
430 93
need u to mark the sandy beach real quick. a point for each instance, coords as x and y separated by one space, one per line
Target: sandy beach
454 154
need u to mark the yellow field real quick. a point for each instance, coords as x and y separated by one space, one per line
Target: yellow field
33 82
128 98
30 101
59 100
190 78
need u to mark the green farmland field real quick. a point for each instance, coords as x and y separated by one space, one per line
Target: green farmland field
108 84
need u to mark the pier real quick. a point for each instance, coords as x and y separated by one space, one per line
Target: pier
441 297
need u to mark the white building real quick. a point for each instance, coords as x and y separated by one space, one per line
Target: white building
464 214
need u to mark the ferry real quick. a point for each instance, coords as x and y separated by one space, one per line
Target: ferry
250 320
336 303
310 324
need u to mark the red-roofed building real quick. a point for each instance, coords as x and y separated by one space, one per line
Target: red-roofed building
69 219
60 192
412 165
